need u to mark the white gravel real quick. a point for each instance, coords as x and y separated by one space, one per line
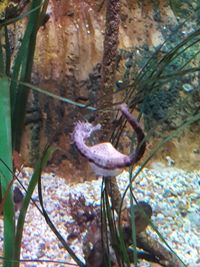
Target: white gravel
173 194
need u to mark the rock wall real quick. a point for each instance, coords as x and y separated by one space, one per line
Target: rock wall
68 53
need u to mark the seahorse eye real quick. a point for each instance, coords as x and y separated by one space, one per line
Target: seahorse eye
88 127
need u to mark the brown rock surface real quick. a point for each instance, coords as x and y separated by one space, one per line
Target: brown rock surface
69 48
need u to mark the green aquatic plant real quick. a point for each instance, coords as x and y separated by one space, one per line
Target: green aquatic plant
5 175
184 8
157 89
22 68
12 110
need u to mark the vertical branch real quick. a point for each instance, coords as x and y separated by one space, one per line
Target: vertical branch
109 65
108 71
114 192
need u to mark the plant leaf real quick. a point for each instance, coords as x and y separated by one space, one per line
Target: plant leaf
5 174
41 163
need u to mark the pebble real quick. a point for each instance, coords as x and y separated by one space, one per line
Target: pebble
194 218
160 217
187 87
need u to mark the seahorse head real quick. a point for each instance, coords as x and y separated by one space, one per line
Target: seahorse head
83 130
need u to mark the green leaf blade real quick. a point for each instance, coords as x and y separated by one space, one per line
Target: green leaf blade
5 174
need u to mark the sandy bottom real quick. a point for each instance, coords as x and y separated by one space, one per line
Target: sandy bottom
173 194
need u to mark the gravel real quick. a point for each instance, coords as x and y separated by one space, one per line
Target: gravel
173 194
